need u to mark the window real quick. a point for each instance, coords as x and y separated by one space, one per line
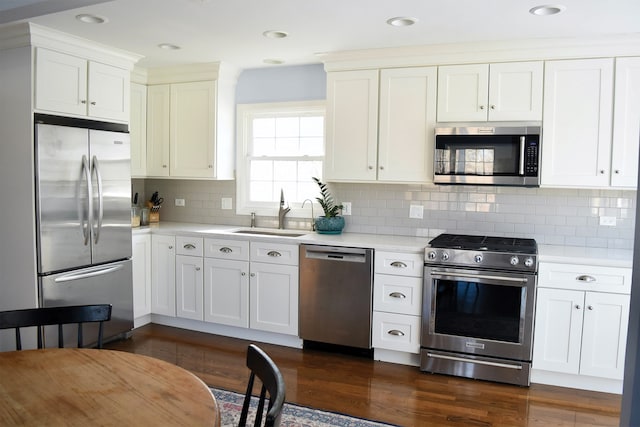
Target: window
281 146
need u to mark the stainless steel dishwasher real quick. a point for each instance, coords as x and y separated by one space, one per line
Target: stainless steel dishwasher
336 295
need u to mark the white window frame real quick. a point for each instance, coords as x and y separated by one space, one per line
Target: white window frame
243 119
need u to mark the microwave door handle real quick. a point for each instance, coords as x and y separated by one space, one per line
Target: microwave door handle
522 144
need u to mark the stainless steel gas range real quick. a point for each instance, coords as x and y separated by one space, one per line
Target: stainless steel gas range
478 306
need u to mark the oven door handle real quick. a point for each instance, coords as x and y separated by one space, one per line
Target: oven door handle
442 274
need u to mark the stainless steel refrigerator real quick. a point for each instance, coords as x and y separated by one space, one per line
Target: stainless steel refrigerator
83 202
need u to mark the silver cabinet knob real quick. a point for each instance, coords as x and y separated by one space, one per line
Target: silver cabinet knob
197 268
578 307
381 168
243 274
617 171
252 274
370 167
589 307
493 107
481 107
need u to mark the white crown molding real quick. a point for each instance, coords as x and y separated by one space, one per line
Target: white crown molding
498 51
30 34
192 73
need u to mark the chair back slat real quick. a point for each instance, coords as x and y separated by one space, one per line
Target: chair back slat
39 317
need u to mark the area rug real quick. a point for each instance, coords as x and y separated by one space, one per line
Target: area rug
230 404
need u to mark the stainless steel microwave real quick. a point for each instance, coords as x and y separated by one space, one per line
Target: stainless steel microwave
488 155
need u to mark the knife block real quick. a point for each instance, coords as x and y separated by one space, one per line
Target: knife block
154 216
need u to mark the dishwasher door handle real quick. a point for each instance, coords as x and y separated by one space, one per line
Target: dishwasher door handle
337 256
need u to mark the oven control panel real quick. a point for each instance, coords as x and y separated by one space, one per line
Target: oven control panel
480 259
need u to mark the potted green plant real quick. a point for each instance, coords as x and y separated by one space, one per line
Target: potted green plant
331 222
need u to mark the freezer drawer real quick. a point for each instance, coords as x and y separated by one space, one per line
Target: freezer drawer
104 284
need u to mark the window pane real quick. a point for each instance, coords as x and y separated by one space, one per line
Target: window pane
312 126
311 146
261 191
264 127
287 126
308 169
287 147
285 171
261 170
264 147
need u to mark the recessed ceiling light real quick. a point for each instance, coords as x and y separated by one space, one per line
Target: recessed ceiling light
275 34
547 9
401 21
90 19
168 46
273 61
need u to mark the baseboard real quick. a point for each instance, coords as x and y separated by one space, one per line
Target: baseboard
581 382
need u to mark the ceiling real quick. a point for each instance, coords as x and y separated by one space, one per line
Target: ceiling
232 30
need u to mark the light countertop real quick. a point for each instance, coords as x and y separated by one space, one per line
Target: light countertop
546 253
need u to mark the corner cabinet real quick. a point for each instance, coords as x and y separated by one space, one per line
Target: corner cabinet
582 315
190 123
495 92
626 123
380 125
75 86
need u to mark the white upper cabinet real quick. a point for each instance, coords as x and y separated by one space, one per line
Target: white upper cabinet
71 85
380 125
626 123
138 130
158 110
578 101
495 92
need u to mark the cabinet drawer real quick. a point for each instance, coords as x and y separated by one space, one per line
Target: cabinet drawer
397 294
189 245
274 253
399 264
227 249
398 332
585 277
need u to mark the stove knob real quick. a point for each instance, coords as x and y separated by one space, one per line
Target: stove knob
431 255
514 260
478 258
528 262
445 256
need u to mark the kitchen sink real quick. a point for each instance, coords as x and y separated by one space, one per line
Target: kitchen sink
259 232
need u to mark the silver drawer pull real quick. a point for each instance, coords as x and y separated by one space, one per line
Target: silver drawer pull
396 333
226 250
398 264
397 295
189 246
586 278
274 253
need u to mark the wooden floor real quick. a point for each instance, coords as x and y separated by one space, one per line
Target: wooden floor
380 391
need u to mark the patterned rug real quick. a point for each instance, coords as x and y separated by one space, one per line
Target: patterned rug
230 405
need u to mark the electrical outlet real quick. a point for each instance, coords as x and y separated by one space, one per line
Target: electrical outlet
416 211
609 221
179 202
346 208
227 203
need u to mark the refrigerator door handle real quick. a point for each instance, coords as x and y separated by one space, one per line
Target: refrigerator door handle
88 273
96 167
84 224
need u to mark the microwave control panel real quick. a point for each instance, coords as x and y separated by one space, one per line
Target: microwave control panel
532 154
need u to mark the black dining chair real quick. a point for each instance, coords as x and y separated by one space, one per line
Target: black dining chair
261 366
16 319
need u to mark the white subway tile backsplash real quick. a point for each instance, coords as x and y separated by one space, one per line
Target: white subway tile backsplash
551 216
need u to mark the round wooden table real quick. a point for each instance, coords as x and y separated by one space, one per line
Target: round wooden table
100 387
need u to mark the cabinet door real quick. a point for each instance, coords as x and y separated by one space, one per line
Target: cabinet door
396 332
604 336
626 123
576 147
406 123
109 92
141 266
352 126
558 330
192 140
226 292
397 294
189 287
158 109
138 130
463 92
163 275
61 82
515 91
273 301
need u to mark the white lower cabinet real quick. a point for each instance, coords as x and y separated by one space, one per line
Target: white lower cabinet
163 275
189 277
397 301
141 266
251 284
582 315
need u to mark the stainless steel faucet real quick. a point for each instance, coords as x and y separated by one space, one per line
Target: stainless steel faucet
282 211
313 222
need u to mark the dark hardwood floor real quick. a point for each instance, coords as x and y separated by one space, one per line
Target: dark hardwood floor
380 391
